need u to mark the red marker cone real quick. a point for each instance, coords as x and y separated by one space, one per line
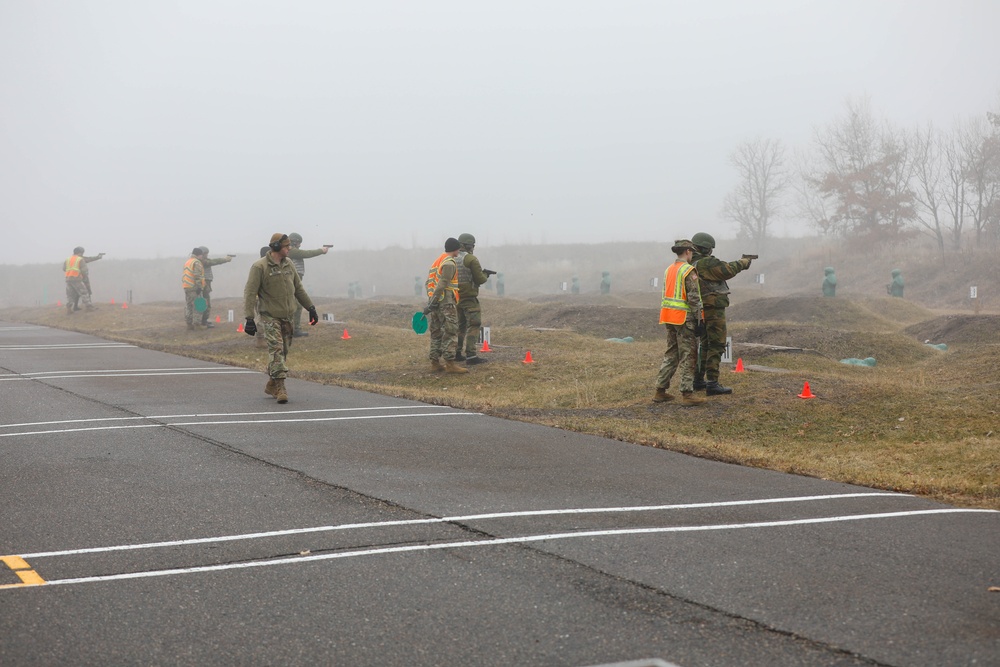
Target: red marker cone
59 303
805 392
218 319
240 327
739 366
528 359
485 347
112 302
346 335
124 305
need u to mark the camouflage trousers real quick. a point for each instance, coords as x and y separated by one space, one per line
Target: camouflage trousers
470 319
712 344
443 325
278 334
77 291
206 293
682 350
189 312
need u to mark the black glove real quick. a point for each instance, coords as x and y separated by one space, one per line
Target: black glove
250 328
699 328
313 315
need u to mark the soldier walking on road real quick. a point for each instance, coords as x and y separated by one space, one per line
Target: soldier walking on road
78 280
441 309
681 314
299 257
207 291
193 282
712 274
274 282
470 314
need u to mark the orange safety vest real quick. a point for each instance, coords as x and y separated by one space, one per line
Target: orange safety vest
188 277
72 266
674 307
435 272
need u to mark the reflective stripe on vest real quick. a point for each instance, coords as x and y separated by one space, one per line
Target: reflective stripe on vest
674 307
187 279
73 266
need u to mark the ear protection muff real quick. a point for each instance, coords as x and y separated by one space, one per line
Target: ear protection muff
276 246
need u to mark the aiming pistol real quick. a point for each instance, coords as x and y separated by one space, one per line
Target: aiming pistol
750 256
489 273
327 245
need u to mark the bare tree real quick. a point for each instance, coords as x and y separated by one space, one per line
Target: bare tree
755 201
809 203
865 175
953 191
928 168
980 142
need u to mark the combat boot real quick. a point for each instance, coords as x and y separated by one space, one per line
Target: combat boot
459 356
190 326
270 389
279 390
436 365
716 389
699 384
472 361
690 398
451 367
661 396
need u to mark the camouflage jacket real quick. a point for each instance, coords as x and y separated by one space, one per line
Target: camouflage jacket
713 274
470 275
277 285
299 257
209 263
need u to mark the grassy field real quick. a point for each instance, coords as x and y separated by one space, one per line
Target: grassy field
922 421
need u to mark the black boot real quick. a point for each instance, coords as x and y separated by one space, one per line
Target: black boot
699 384
459 356
716 389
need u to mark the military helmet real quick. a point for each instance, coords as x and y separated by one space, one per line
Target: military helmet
204 250
467 239
703 240
295 237
78 250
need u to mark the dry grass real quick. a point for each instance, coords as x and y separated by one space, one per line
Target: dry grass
921 421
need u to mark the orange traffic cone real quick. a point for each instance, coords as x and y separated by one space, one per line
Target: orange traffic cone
739 366
218 319
112 302
346 335
240 327
805 392
59 303
485 347
124 305
528 359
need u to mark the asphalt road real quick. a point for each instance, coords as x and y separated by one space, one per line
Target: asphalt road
162 510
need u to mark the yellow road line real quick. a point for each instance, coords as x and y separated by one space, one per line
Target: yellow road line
24 572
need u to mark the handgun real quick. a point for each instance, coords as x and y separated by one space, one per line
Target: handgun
327 245
489 273
230 255
750 256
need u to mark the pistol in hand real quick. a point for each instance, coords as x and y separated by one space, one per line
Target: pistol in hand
750 256
489 273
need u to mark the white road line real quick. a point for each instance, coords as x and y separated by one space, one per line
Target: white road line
130 375
64 346
496 542
229 414
240 421
121 370
462 518
6 329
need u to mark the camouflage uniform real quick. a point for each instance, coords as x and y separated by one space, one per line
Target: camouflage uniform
470 313
682 342
78 287
275 289
207 291
299 257
713 273
193 290
443 316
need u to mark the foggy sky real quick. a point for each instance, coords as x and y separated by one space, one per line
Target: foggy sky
142 129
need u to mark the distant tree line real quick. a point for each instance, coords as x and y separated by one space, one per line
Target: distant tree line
871 182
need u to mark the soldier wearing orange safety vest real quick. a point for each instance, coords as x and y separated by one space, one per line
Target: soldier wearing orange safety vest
442 309
681 315
193 282
78 280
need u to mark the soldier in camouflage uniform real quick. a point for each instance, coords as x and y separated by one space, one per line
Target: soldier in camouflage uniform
274 287
78 280
206 293
299 257
193 282
470 314
713 274
680 313
441 309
